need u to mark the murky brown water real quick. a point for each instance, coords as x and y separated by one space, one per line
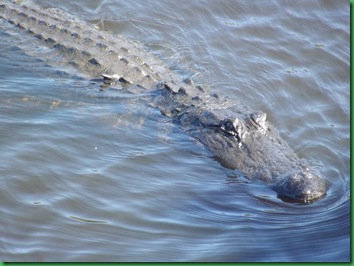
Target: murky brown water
88 178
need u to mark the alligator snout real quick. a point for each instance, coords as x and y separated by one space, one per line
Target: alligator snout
303 186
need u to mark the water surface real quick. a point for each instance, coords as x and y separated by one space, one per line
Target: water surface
103 176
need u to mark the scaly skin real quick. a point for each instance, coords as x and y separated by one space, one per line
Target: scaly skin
240 138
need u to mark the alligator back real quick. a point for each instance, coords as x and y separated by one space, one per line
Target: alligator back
86 47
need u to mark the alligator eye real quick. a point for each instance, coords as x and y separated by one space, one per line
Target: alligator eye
233 128
228 127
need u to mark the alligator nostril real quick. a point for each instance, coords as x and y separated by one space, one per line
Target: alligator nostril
301 186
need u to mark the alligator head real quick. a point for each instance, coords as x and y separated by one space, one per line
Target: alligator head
244 140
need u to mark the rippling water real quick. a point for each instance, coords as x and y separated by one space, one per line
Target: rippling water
87 177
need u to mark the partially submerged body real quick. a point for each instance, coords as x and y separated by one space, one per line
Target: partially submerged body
240 138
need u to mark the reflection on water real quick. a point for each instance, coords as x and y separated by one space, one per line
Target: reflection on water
102 176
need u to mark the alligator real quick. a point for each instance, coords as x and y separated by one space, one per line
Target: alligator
241 139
